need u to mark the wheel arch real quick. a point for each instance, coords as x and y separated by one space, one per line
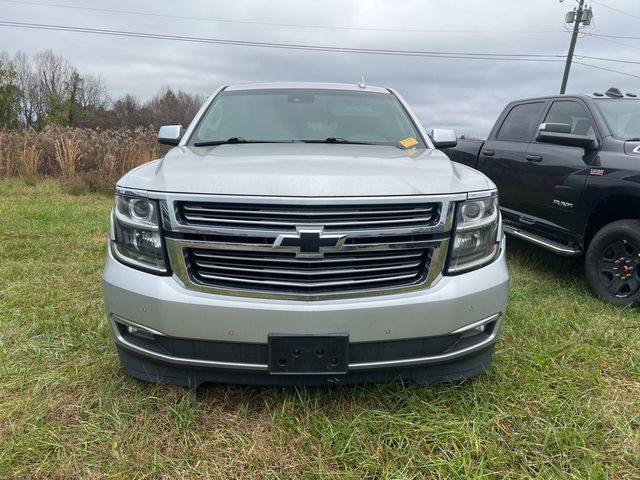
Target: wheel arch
611 209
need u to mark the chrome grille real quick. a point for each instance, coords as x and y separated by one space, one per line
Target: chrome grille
287 217
265 246
354 268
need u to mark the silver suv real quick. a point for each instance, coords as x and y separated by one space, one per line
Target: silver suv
305 234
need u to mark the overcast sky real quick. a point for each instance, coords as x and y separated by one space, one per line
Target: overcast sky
464 94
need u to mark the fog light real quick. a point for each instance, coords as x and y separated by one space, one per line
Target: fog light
474 331
138 332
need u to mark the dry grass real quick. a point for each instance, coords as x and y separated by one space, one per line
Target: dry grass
67 156
30 160
87 160
5 158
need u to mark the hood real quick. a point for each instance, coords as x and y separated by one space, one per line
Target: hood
305 170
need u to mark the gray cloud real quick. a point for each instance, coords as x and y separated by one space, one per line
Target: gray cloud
463 94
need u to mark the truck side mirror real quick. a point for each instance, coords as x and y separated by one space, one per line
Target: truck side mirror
443 138
560 134
170 134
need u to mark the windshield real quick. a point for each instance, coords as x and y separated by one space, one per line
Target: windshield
622 117
286 115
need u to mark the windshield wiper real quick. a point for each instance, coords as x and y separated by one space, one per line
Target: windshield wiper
338 140
232 140
633 139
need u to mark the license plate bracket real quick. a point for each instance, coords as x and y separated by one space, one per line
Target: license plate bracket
308 354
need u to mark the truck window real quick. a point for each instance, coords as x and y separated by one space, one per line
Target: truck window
571 113
622 116
296 114
521 122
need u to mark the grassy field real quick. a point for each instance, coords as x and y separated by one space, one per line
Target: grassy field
561 399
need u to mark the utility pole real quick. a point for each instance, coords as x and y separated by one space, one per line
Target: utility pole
577 19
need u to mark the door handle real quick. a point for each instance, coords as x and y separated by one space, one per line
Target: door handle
488 153
534 158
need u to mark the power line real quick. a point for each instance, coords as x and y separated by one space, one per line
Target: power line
615 42
289 25
287 46
626 14
614 60
321 48
624 37
606 69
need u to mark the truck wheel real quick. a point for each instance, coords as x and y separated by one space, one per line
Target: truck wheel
612 263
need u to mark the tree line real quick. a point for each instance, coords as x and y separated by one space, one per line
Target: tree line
45 89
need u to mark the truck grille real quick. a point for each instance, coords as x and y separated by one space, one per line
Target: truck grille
307 249
395 264
286 217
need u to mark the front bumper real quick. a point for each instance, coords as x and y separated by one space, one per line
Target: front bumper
168 333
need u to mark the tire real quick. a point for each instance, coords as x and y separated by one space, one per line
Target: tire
612 263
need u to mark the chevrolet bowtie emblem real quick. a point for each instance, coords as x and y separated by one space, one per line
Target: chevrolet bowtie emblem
309 242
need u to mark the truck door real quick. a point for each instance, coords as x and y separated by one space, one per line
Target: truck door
556 174
502 157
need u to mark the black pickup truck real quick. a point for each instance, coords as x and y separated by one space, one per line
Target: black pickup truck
568 174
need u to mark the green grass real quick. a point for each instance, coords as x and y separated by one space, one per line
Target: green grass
561 399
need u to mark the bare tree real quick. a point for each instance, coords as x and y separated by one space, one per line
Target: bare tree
94 95
27 81
54 74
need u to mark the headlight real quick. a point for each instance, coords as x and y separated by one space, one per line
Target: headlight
135 234
477 234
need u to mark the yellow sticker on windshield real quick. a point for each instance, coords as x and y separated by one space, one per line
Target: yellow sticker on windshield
408 142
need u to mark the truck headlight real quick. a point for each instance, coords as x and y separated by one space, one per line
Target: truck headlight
135 236
477 234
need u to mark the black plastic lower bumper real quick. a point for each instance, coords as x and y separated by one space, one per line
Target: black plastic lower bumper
150 370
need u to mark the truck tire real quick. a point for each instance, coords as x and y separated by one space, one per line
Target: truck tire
612 263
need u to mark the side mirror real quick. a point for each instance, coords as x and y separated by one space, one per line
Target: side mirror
443 138
170 134
560 134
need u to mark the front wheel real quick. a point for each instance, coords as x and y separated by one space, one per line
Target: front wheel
612 263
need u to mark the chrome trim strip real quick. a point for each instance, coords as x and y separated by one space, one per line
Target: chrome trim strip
294 224
255 247
180 360
479 323
307 272
409 362
274 233
482 194
324 261
406 362
332 283
542 242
